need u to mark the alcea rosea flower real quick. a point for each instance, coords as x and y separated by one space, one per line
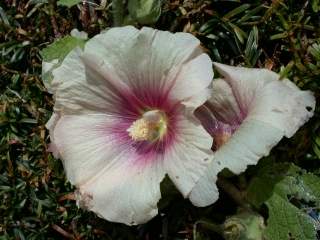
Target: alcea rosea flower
250 110
123 118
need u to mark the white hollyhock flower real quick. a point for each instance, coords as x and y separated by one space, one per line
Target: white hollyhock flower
249 112
123 119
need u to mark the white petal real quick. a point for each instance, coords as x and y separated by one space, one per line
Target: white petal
50 125
189 156
223 104
191 80
85 144
205 192
125 193
253 140
143 59
243 75
79 34
262 96
83 85
282 105
106 169
245 82
274 109
145 56
128 59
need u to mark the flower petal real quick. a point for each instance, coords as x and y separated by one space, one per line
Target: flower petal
205 191
155 60
125 193
89 81
282 105
245 82
86 144
270 108
106 169
262 96
223 103
50 125
143 57
187 160
253 140
85 85
191 80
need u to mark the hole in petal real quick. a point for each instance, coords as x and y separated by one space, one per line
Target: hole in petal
309 109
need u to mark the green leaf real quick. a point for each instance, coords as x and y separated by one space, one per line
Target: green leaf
3 17
241 35
314 50
68 3
315 5
38 1
279 36
251 13
53 55
118 9
145 11
316 140
236 11
209 26
60 48
287 222
275 186
252 52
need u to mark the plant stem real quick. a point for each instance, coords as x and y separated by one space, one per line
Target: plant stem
233 192
207 225
118 12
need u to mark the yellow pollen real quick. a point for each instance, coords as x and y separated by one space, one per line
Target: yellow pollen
150 127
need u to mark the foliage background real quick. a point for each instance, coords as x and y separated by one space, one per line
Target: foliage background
36 201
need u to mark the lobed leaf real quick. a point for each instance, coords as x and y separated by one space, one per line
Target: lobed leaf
277 186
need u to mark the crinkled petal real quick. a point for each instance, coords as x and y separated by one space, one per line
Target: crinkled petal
282 105
205 192
189 156
271 109
277 100
133 60
155 60
144 56
262 96
253 140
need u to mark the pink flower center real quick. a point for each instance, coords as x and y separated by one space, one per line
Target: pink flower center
148 121
219 128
